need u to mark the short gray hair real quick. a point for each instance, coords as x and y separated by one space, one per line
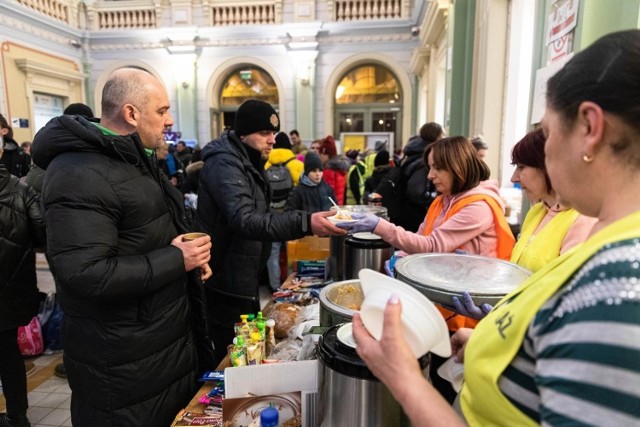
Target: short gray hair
125 86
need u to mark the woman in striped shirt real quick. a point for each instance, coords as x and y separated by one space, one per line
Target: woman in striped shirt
564 348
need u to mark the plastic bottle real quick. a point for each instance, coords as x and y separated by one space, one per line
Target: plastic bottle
243 328
270 341
269 417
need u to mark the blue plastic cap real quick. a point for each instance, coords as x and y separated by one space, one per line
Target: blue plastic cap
269 417
517 185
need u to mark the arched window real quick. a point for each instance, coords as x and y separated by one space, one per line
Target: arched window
368 107
244 82
368 84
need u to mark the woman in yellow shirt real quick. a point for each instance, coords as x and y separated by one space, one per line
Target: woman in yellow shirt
548 230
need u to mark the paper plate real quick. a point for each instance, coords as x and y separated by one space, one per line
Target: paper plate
366 236
424 327
345 335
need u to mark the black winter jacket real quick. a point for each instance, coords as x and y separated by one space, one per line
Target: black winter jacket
233 208
129 325
310 197
419 191
21 229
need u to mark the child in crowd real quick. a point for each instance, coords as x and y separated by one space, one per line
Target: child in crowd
312 194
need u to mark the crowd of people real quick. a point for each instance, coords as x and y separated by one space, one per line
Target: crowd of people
561 349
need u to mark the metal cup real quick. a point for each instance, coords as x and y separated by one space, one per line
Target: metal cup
192 236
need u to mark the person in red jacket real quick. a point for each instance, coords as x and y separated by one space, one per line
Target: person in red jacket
336 168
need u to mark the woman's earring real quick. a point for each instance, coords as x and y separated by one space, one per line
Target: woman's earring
587 159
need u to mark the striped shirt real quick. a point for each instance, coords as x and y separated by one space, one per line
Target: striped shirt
580 361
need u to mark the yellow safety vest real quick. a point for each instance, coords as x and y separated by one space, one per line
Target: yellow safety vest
351 199
534 251
499 336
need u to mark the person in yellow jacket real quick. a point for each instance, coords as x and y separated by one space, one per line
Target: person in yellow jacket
562 349
549 229
282 153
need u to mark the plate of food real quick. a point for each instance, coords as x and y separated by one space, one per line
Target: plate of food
341 217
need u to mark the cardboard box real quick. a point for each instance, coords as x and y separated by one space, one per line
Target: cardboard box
310 248
277 379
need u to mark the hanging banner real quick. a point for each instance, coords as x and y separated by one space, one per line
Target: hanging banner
539 100
562 19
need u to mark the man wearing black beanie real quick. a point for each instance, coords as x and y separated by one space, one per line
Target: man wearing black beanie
233 208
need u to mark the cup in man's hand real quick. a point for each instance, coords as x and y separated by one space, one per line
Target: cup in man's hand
192 236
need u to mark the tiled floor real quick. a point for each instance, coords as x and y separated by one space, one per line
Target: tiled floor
50 396
49 403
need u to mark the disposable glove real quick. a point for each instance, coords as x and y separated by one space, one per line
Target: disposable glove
466 307
366 223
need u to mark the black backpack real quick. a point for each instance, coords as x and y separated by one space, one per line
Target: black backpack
280 182
392 191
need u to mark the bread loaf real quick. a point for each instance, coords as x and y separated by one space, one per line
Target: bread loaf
285 315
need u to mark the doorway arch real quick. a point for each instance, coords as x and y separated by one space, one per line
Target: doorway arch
403 106
219 80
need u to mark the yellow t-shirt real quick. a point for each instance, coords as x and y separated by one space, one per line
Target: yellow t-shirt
535 250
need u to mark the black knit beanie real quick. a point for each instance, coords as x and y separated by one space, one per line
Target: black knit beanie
255 116
79 109
381 159
282 141
311 162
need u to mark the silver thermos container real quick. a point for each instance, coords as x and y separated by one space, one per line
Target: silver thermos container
336 243
349 394
364 250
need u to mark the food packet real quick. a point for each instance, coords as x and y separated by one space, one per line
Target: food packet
239 352
254 350
243 328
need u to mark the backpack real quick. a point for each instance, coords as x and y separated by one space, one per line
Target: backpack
281 183
392 192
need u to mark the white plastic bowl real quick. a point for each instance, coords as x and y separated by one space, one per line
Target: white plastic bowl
424 328
334 220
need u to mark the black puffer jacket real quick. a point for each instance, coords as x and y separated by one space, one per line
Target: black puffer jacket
21 229
419 191
128 337
233 208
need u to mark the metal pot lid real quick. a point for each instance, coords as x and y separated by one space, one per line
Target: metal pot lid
478 275
366 243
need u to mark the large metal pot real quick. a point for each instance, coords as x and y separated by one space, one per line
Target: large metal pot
349 394
336 243
338 302
365 250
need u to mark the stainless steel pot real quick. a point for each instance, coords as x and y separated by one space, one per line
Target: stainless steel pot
336 243
349 394
335 300
365 250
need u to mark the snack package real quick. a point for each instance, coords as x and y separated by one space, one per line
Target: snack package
239 352
243 328
254 350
